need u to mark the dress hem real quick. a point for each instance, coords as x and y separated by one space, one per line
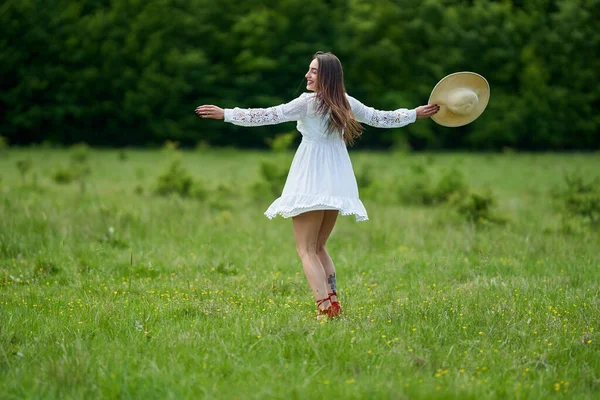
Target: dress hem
345 206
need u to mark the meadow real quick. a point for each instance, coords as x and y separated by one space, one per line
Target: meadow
117 283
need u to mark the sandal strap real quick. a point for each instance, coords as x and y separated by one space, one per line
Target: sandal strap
319 302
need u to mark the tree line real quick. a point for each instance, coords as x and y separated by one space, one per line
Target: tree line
131 72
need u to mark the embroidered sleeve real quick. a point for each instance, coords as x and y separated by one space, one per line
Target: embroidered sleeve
292 111
381 119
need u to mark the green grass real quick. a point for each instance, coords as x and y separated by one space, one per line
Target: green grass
113 292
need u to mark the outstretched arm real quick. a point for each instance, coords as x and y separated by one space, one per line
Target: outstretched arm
292 111
390 119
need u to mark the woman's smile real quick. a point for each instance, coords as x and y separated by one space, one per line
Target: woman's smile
311 75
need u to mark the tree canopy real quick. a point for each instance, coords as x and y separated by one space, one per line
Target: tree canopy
131 72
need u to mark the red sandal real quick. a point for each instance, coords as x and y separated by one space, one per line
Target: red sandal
329 311
335 305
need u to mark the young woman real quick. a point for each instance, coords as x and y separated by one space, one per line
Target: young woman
321 182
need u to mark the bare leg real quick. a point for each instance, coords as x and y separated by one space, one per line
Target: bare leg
306 231
327 225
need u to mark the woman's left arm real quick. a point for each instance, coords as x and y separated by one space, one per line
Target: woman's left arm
389 119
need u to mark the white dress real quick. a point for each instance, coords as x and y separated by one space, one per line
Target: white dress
321 175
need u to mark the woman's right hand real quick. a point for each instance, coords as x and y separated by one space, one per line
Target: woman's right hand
209 111
427 111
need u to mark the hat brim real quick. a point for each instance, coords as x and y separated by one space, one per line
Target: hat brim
439 96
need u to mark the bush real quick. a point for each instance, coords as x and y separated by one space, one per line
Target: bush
282 142
175 180
170 146
24 166
63 176
76 170
202 146
418 187
415 187
581 199
3 144
273 176
452 182
364 176
476 207
80 153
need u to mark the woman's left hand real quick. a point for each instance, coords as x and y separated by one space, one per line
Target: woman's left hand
427 111
209 111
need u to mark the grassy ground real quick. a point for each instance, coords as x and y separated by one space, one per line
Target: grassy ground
115 292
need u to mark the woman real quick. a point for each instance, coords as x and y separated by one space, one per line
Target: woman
321 182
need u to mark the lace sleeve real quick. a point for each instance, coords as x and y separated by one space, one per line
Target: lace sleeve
292 111
381 119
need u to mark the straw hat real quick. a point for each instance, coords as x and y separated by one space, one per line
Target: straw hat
462 97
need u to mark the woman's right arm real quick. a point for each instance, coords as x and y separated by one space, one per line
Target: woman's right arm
292 111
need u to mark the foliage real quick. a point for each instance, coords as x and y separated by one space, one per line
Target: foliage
580 198
24 166
3 144
78 169
282 142
417 186
365 176
125 73
80 153
451 183
63 175
175 180
272 179
476 207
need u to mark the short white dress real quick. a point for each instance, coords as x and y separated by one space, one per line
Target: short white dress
321 175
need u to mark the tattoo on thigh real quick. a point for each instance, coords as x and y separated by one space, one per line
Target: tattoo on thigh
331 281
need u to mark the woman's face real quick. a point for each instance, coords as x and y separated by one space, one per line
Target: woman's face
311 75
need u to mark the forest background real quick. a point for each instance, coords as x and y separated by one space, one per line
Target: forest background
130 73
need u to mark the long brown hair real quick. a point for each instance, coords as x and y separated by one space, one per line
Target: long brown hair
331 96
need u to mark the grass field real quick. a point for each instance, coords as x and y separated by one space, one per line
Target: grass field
112 291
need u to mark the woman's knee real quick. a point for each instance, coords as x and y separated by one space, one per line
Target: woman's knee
306 249
320 249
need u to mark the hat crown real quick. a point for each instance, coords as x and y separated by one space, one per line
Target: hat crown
462 101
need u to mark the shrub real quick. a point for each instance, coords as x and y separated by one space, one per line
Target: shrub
415 186
80 153
223 197
63 175
418 187
581 199
273 176
175 180
202 146
170 146
138 189
365 176
224 217
450 183
476 207
74 171
282 142
199 191
3 144
24 166
77 169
